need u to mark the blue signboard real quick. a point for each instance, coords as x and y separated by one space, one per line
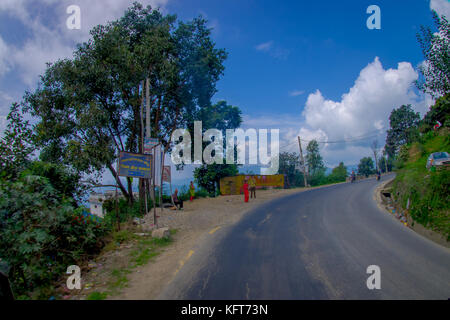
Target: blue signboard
135 165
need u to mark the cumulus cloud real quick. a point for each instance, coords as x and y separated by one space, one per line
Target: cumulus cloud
367 105
442 7
359 117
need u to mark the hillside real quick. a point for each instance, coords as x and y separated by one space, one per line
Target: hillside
427 191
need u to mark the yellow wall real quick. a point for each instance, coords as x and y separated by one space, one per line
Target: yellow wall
233 185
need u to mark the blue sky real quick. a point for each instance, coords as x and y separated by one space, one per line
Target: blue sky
309 68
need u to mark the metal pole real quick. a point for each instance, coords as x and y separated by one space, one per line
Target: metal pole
153 187
303 162
117 204
143 184
161 185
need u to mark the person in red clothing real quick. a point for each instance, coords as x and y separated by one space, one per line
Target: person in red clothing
245 187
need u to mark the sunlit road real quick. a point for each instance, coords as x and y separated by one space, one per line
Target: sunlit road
318 245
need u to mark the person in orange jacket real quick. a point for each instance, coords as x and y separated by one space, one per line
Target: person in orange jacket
245 187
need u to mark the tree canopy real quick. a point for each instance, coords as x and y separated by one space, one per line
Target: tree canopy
313 158
366 166
435 48
88 108
403 128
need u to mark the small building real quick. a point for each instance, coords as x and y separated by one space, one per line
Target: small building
96 204
96 200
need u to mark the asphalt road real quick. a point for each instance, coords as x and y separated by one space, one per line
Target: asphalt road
318 245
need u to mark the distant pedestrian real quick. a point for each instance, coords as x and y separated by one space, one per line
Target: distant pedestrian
192 191
245 188
252 185
177 201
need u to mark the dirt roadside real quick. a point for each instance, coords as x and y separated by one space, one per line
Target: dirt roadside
200 218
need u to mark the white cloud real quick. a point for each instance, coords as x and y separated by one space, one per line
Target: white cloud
4 65
296 93
266 46
442 7
367 105
361 116
51 39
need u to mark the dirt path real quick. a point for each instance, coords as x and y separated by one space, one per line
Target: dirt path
200 218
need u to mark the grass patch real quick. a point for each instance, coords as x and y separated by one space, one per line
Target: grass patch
143 249
97 296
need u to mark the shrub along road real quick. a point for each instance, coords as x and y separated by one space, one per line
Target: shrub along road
317 245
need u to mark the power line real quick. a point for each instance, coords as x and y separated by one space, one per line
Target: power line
346 140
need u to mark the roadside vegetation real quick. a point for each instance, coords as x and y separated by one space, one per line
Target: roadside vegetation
85 110
424 193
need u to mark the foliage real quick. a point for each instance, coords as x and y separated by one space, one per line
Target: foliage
382 163
89 106
15 145
317 178
313 158
366 166
41 234
125 210
440 111
208 176
288 165
338 174
428 192
65 181
222 117
435 48
403 129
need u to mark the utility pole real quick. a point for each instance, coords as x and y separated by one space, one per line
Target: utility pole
148 135
303 161
142 185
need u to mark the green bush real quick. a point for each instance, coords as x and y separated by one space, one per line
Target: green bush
41 234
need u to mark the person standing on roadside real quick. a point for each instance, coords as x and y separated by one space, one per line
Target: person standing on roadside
252 185
191 191
245 188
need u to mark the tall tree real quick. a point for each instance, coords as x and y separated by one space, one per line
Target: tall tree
365 166
313 158
436 68
16 145
339 173
374 148
220 116
403 128
88 107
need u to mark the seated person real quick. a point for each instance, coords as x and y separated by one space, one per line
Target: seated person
177 201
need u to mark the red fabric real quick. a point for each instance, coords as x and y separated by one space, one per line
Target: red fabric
191 198
245 187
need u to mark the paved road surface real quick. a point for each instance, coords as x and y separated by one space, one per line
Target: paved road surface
318 245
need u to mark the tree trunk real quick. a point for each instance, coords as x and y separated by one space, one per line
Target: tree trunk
130 191
119 183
